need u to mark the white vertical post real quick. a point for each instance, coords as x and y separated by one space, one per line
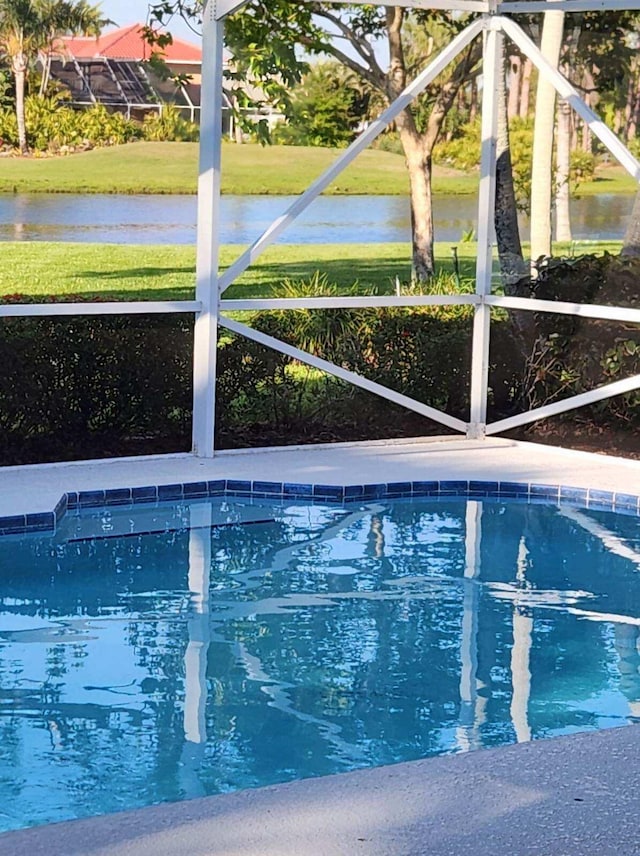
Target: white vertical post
491 68
206 327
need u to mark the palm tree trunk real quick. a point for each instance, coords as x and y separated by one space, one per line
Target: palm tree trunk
525 88
473 101
631 243
515 80
513 268
19 73
46 73
512 264
563 166
541 167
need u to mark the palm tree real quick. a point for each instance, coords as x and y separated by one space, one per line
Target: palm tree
541 167
31 27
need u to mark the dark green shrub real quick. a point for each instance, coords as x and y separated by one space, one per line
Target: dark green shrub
84 387
572 354
268 397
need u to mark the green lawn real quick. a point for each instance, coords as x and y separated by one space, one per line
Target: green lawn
248 169
128 272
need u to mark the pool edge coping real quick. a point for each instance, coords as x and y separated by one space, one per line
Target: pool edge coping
46 522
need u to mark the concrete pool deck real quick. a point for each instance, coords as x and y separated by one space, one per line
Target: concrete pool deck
568 796
37 488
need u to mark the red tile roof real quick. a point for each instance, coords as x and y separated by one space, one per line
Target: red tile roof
129 43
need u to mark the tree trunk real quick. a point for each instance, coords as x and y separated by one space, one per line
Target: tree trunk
45 59
525 88
512 264
635 115
473 101
19 73
417 149
419 168
631 243
618 122
418 146
563 166
591 99
541 167
513 268
515 76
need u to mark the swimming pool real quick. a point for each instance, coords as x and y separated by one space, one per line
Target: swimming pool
179 649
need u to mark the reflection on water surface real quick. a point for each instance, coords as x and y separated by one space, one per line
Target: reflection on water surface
244 643
330 219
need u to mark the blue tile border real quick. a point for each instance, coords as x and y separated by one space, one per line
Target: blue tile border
46 522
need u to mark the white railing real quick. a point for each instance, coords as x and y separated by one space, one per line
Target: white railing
209 306
492 25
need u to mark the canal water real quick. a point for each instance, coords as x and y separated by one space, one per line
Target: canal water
330 219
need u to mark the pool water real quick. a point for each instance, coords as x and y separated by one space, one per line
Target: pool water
173 651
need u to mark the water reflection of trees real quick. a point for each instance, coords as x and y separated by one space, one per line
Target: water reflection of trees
333 638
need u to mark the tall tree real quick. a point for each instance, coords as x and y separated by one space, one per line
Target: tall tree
631 243
541 167
29 27
512 264
598 55
563 171
263 39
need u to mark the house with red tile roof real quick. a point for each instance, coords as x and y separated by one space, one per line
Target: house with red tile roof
117 69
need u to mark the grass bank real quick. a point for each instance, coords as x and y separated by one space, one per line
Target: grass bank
249 169
147 272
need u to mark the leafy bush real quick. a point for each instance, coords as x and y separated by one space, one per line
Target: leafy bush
583 167
389 141
463 151
326 109
52 125
263 394
169 126
572 354
83 387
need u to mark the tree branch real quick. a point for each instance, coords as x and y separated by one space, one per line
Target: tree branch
449 90
359 43
376 79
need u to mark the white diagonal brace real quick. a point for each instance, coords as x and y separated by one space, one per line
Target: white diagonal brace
343 374
617 388
365 139
571 96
